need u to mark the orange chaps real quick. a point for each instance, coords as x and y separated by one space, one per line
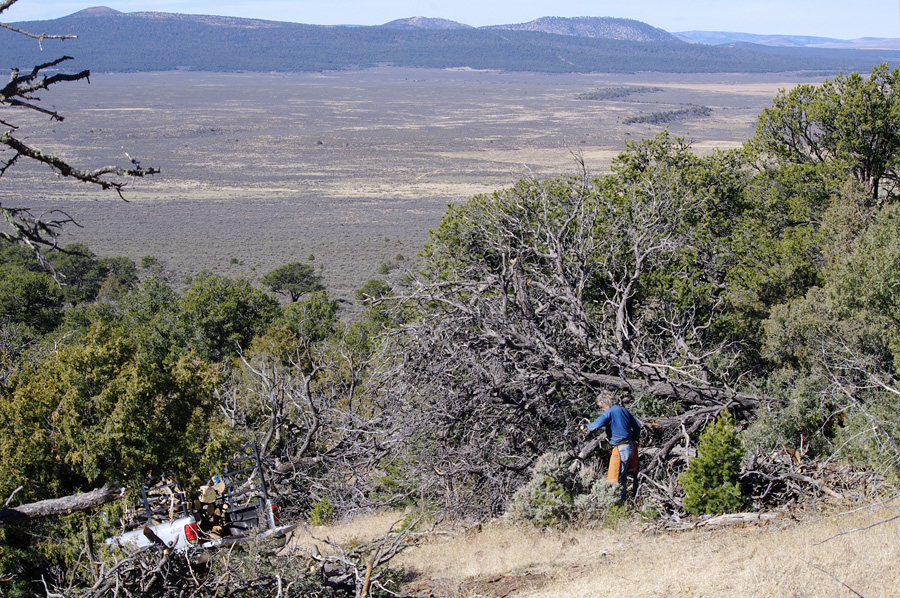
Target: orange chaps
615 465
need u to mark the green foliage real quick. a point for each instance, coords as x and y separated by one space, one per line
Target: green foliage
616 515
148 262
372 290
19 255
393 483
120 278
48 549
82 318
149 314
29 298
804 419
711 482
847 127
868 437
220 315
321 513
650 513
314 317
81 270
96 412
835 347
293 280
556 496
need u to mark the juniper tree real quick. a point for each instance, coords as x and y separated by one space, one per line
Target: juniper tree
712 480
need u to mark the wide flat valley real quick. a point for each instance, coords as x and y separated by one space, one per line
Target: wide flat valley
351 168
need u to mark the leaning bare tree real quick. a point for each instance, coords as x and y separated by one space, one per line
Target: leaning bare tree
535 297
21 92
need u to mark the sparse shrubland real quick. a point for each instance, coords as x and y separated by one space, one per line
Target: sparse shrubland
756 284
667 116
615 93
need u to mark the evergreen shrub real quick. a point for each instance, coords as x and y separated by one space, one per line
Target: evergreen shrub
711 482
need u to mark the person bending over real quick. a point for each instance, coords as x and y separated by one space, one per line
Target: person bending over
623 431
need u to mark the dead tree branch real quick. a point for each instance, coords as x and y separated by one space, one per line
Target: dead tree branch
20 92
59 506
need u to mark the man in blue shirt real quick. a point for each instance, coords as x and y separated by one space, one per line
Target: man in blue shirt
622 432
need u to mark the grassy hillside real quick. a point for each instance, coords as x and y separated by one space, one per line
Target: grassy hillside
791 557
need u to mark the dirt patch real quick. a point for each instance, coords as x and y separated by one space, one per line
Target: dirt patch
495 586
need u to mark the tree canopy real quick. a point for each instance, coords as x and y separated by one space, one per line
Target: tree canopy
293 279
848 125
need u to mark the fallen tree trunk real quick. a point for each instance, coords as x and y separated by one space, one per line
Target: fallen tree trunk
741 519
59 506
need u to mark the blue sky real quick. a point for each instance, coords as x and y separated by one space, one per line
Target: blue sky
827 18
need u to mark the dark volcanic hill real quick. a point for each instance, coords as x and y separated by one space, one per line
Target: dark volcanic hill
425 23
596 27
113 41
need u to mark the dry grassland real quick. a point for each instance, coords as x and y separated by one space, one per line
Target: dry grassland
351 167
788 559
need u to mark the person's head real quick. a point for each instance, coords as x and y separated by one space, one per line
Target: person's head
606 399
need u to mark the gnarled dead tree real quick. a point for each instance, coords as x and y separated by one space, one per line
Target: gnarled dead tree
534 298
298 398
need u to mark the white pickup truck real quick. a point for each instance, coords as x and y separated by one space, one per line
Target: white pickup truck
166 517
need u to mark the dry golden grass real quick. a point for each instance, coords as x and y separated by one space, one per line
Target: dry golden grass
361 529
784 559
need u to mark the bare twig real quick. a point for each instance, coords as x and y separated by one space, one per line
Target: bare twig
832 576
858 529
6 504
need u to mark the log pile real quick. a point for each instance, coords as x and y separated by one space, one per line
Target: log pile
161 500
783 477
778 485
210 510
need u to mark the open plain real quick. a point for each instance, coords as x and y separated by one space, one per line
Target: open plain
352 168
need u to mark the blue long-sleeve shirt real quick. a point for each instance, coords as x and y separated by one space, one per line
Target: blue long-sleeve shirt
618 423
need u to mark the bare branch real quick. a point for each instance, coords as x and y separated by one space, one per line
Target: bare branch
59 506
832 576
858 529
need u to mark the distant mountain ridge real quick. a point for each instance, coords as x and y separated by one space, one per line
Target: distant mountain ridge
595 27
788 41
425 23
113 41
